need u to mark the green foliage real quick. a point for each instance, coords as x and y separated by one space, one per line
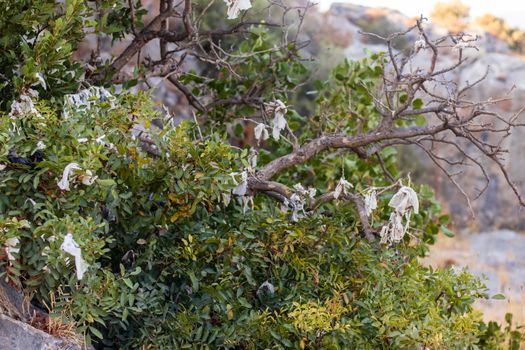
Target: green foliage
38 39
172 262
498 28
128 202
494 337
452 15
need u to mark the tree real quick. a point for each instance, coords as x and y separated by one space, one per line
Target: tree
304 236
497 27
493 25
452 15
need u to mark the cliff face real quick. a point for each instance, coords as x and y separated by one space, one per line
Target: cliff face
497 207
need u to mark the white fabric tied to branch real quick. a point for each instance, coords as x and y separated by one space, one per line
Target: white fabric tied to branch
71 247
236 6
245 202
279 122
40 145
261 133
310 191
297 204
270 288
240 191
63 184
404 200
87 98
24 105
394 231
420 44
10 245
100 140
298 200
242 187
86 178
41 81
342 187
252 158
370 202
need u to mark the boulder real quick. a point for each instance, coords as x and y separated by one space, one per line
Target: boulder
17 335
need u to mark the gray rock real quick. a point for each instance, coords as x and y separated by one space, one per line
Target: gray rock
16 335
12 302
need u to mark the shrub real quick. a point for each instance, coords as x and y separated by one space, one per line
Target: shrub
147 237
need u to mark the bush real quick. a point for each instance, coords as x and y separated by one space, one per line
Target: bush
147 237
452 15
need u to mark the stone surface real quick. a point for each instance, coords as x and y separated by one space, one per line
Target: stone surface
16 335
12 302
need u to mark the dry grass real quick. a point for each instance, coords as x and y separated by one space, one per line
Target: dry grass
61 326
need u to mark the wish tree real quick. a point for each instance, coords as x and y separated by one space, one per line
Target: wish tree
270 214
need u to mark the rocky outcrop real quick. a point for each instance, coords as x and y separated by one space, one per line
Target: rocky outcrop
12 302
17 335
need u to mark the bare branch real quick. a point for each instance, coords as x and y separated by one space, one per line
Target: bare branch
150 32
452 120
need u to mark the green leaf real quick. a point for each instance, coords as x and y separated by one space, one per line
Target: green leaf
417 103
106 182
388 151
194 281
96 332
498 297
248 274
420 120
446 231
444 219
238 131
128 282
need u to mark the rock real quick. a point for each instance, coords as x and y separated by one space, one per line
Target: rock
12 302
17 335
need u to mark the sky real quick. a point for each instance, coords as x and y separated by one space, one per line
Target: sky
512 11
